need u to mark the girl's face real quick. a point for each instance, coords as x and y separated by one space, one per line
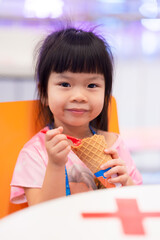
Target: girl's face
75 98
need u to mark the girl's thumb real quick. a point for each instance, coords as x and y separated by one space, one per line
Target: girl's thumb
60 129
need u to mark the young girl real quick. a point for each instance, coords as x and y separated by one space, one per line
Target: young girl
74 74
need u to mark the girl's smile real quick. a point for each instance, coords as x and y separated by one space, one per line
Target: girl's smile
77 111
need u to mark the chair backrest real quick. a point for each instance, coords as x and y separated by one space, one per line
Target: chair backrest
17 126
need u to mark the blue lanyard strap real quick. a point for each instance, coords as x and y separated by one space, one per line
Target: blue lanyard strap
92 130
68 192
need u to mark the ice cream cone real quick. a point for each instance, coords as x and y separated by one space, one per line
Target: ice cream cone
91 152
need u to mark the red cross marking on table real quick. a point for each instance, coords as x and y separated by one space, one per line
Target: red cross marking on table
129 214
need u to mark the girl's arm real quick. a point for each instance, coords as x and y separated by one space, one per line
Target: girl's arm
54 181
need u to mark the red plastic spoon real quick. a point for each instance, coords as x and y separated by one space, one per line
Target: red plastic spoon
75 141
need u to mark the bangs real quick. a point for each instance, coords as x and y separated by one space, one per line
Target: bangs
79 52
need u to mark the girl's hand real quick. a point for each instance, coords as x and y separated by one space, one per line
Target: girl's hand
118 166
57 146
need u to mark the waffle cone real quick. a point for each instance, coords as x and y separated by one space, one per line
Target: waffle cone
91 152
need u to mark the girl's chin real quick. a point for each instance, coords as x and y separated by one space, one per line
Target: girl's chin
77 123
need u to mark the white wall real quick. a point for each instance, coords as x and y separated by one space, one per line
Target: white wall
17 46
137 90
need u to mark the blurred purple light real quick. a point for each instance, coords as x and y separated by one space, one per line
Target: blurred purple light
43 9
113 1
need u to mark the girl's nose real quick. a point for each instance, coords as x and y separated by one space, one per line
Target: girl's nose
78 96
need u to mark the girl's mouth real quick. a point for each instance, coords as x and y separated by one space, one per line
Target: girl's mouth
77 110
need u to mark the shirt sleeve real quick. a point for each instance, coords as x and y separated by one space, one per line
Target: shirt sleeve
131 167
29 171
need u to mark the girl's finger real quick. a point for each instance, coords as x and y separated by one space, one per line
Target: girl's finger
120 170
113 162
57 139
53 132
112 152
119 179
62 145
63 154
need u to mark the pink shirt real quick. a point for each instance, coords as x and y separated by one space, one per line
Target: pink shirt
32 162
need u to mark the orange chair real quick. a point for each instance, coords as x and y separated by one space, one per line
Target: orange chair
16 128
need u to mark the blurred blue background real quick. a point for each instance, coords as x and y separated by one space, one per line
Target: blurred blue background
132 27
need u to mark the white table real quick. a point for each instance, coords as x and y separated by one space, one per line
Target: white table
126 213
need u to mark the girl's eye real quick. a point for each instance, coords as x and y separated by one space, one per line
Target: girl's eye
65 84
92 85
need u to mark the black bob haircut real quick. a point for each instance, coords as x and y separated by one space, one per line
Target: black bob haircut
77 51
